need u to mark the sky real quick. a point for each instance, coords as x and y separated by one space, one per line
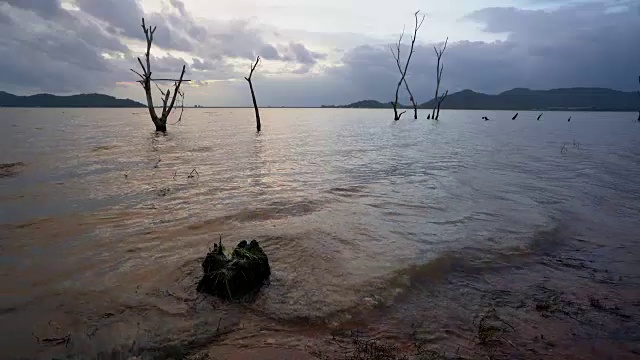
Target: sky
316 52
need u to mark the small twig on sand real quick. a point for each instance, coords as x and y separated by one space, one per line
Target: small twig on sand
91 333
54 340
191 174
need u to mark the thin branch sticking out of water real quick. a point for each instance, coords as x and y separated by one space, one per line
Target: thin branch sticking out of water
191 174
181 93
563 149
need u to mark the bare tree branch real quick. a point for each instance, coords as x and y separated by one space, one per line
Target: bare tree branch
403 72
439 70
181 93
159 121
440 100
159 89
397 58
144 70
137 73
177 88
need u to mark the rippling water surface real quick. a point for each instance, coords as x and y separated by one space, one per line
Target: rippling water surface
368 224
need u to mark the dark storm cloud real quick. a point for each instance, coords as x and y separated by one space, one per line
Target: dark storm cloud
84 49
61 54
5 19
581 45
125 15
585 44
302 55
269 52
46 9
298 53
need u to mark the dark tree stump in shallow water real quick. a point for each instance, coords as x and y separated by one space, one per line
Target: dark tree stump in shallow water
235 277
11 169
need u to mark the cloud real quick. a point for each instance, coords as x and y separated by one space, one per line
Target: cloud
92 46
202 65
65 52
580 45
87 48
179 5
302 55
125 15
269 52
46 9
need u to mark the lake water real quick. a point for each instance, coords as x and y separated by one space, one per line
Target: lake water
403 230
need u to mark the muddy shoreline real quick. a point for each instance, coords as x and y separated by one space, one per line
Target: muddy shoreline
468 311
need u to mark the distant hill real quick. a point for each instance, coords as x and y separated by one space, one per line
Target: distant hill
585 99
366 104
48 100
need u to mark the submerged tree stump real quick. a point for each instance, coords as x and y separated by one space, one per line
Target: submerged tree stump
235 277
11 169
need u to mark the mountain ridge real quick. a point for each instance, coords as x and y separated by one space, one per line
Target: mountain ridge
92 100
577 98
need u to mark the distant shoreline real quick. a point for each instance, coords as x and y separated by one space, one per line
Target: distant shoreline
310 107
517 99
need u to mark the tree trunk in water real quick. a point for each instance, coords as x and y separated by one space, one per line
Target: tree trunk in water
435 98
433 113
440 100
161 128
396 115
145 80
255 106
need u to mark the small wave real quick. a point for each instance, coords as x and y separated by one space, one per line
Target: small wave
348 191
104 148
474 261
274 211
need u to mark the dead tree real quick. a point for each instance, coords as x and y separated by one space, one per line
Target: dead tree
253 94
440 100
435 114
145 80
403 72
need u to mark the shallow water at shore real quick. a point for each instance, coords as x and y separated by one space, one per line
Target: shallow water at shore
368 224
